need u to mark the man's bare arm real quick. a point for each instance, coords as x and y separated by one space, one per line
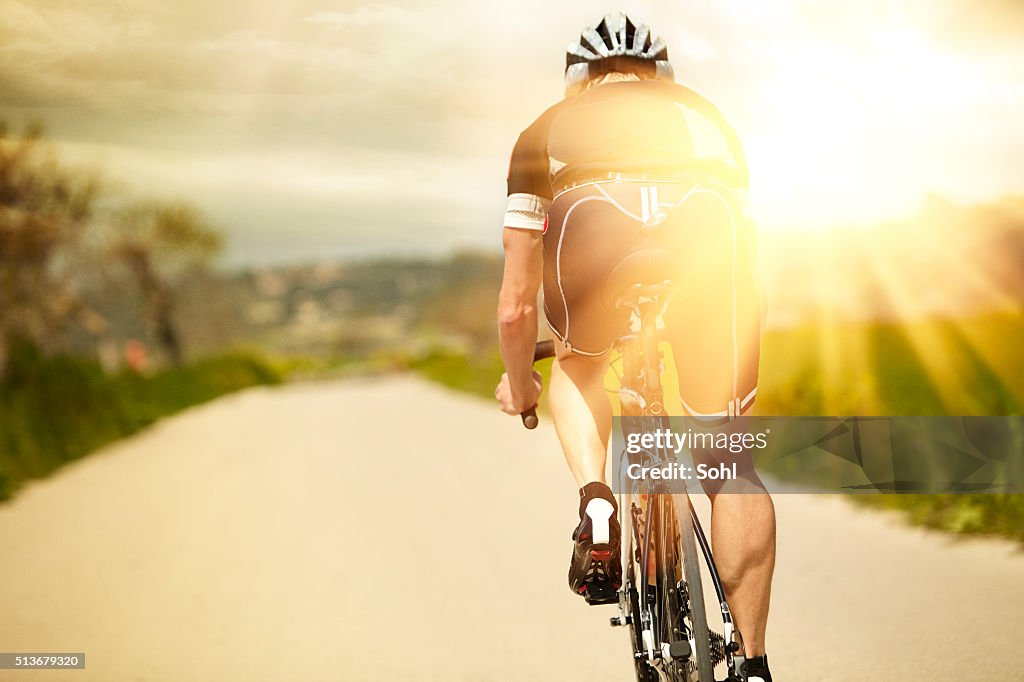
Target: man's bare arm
517 316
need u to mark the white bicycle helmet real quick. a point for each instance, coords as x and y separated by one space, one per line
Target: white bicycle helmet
615 45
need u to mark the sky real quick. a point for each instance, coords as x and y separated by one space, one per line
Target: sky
308 129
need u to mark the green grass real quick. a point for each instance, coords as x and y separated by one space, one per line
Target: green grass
54 410
970 366
1001 515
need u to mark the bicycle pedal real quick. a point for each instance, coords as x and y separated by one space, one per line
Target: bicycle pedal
599 593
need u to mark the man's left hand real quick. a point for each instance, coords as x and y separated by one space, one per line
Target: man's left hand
509 405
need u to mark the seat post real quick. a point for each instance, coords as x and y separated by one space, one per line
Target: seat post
648 313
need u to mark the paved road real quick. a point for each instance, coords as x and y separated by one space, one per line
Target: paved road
393 530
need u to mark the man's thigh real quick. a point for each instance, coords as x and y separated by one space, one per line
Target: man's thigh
714 322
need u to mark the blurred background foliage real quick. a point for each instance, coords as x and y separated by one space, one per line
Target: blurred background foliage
91 336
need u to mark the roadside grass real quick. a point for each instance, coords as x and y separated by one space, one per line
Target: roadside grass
477 375
972 366
56 409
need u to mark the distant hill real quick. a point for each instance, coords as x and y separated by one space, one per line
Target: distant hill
360 307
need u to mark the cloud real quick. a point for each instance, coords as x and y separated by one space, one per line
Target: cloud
365 16
391 116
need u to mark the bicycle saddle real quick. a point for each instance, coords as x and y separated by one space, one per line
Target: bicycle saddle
646 275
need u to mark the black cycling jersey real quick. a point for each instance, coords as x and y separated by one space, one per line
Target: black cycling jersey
647 128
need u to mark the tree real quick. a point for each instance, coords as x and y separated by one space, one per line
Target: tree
44 210
160 244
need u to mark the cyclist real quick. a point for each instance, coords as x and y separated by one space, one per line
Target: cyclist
626 159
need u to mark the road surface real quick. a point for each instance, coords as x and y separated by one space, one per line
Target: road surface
390 529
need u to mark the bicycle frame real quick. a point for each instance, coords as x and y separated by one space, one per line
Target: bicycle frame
642 397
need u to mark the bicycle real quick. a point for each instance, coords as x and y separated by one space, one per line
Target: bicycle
668 627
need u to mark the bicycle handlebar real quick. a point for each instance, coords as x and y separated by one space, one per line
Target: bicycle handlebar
529 418
543 350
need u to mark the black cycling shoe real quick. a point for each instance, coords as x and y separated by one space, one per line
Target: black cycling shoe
756 670
596 569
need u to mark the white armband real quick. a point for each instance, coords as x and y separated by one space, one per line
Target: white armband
526 211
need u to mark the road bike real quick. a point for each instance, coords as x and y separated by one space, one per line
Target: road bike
661 600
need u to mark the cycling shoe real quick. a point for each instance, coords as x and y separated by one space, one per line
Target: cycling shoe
596 568
756 670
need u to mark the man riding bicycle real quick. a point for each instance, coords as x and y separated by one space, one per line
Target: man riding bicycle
628 159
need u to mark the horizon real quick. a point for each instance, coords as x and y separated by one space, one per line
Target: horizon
770 242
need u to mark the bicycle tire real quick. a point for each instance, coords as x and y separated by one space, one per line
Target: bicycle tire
698 616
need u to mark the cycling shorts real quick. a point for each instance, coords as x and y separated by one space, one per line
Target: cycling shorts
712 320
